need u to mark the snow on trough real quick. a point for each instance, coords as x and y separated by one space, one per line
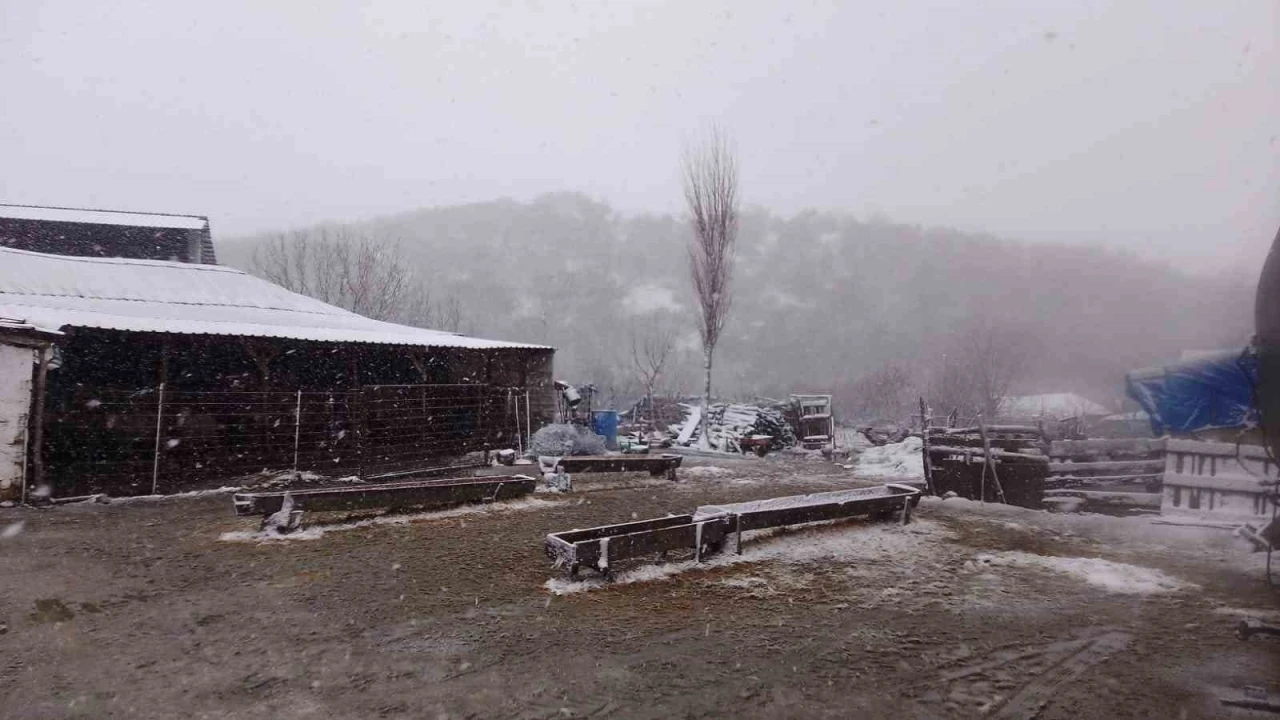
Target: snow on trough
1110 576
316 532
824 543
896 460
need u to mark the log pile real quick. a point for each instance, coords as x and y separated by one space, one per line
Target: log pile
729 424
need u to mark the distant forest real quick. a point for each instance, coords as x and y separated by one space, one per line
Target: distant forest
823 301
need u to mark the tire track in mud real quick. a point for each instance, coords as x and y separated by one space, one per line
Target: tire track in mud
1022 682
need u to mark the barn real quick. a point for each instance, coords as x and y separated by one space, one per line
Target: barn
128 376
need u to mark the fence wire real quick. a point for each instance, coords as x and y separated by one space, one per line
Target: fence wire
159 440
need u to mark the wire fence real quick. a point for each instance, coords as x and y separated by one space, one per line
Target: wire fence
158 440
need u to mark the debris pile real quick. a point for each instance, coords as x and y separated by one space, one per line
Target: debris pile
896 460
729 424
561 440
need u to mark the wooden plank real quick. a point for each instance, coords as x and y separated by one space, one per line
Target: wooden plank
653 464
977 453
1099 479
1089 448
1104 497
1107 468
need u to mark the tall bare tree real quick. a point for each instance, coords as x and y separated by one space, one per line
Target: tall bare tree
710 174
651 347
356 271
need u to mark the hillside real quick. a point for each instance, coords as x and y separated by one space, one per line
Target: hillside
821 298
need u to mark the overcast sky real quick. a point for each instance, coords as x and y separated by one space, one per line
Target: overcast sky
1147 126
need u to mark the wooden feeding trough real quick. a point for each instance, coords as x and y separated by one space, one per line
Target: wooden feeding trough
423 494
655 465
704 531
597 548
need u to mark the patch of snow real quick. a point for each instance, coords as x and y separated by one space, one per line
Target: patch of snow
895 460
825 543
705 471
226 489
103 217
1110 576
316 532
791 501
1263 615
12 530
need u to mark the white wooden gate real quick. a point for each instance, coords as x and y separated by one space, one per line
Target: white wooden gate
15 403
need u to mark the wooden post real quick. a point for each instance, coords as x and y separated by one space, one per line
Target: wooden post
924 448
297 431
528 418
515 408
155 461
37 425
991 461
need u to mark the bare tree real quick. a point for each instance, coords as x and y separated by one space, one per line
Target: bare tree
710 174
887 394
650 349
983 363
356 271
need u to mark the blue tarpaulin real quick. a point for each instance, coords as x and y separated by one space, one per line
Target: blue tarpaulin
1211 391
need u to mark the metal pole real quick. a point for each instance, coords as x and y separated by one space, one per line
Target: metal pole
297 431
155 462
515 408
528 428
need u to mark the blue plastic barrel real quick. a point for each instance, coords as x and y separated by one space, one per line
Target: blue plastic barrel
605 423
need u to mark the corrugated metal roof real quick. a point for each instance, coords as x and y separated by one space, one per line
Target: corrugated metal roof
103 217
56 291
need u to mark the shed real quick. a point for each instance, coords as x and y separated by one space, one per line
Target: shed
107 233
166 374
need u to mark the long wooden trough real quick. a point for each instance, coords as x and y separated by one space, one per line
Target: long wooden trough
655 465
704 532
427 494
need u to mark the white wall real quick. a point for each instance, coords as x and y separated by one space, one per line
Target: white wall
15 404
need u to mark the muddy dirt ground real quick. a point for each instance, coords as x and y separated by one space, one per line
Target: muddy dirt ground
141 610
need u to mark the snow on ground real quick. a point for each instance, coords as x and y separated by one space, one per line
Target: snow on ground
1110 576
896 460
175 496
824 543
1149 532
316 532
699 471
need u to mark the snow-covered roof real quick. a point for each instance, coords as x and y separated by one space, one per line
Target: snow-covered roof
103 217
57 291
1053 405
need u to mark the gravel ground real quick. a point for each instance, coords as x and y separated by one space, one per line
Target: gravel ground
142 610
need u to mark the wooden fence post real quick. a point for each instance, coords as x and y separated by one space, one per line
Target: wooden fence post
155 460
924 448
297 431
